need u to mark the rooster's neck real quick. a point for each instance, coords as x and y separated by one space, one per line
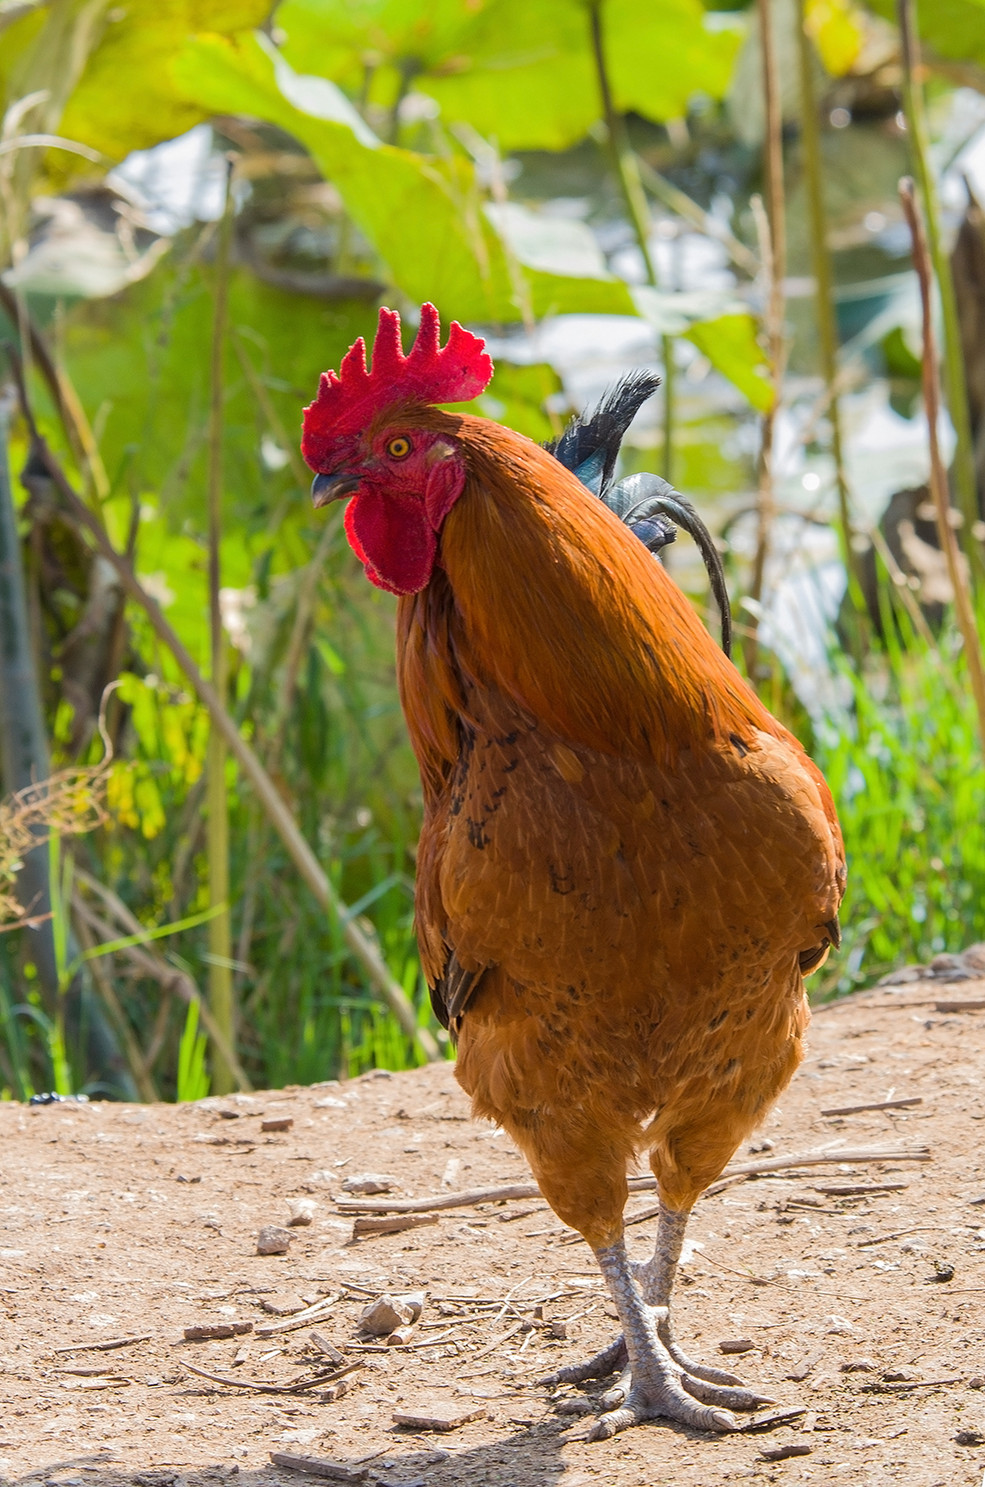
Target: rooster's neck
545 599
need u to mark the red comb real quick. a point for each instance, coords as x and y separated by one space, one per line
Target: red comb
430 373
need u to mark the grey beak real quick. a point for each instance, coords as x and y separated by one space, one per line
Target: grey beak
326 488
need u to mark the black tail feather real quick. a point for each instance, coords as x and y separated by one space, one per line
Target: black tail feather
590 444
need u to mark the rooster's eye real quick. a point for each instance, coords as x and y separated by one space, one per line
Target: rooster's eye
399 448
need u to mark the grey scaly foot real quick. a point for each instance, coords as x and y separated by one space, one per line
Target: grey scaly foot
656 1389
656 1279
724 1396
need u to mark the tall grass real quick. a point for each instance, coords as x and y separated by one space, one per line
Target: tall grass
906 772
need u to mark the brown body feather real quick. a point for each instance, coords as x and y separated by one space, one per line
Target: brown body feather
625 862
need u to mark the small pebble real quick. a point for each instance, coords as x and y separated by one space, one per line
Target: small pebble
736 1345
383 1316
970 1438
303 1211
273 1240
369 1182
277 1123
783 1453
438 1415
282 1306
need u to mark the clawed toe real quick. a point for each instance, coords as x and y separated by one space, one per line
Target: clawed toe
599 1367
705 1372
696 1370
662 1403
727 1397
722 1398
615 1398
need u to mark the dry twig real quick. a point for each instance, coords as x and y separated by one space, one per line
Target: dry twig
876 1105
107 1346
636 1184
317 1381
300 1319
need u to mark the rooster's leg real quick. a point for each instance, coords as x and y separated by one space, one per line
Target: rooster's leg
712 1386
657 1280
658 1388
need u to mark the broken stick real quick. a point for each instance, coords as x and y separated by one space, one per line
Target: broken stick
636 1184
319 1381
319 1466
877 1105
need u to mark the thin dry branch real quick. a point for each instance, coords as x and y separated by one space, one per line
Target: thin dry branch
875 1105
940 494
742 1170
144 960
318 1381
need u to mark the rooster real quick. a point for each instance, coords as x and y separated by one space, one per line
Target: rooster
626 864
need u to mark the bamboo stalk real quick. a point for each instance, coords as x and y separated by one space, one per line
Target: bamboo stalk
363 949
222 997
627 168
824 300
960 581
773 256
954 372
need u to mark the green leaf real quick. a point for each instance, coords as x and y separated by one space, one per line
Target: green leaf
125 99
730 344
518 73
954 29
363 44
423 216
722 329
517 398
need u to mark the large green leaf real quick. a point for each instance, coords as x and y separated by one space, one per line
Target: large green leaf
517 396
954 29
521 74
125 99
423 216
721 328
730 344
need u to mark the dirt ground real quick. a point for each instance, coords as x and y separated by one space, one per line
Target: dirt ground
138 1222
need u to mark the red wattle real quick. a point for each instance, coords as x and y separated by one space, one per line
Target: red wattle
393 539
